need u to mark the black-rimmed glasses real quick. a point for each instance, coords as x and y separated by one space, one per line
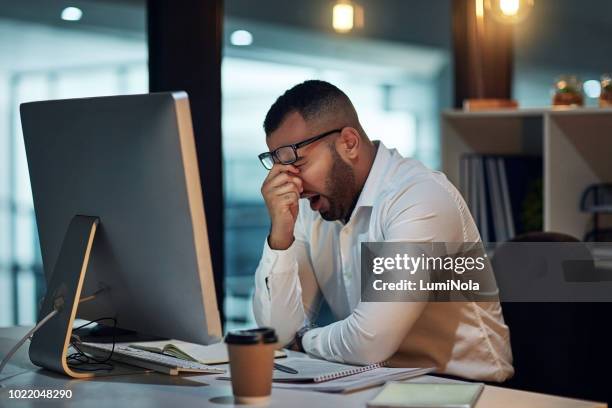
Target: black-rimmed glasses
288 154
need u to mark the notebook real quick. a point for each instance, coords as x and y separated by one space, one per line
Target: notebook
324 376
420 395
212 354
315 370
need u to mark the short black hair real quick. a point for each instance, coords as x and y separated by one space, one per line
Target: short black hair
309 99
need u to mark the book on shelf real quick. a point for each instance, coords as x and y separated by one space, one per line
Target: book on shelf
503 193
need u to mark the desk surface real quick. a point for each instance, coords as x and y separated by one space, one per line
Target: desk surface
157 390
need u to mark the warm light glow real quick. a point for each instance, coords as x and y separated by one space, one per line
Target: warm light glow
480 8
508 11
72 14
509 8
343 16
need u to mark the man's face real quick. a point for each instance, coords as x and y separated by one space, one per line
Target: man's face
328 181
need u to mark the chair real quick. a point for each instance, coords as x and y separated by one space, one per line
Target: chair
559 348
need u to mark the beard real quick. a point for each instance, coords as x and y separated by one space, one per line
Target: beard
340 186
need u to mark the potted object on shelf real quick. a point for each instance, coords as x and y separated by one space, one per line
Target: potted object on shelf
568 91
605 97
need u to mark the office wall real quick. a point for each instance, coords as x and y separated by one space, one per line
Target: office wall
566 33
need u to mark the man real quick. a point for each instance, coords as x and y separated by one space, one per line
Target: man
330 188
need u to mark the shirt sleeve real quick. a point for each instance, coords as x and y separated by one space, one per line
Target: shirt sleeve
287 295
373 332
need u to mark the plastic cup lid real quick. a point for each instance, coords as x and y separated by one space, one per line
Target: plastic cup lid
252 336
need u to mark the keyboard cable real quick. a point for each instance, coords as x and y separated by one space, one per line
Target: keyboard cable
28 335
57 307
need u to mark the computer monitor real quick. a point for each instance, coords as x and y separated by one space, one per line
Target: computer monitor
131 161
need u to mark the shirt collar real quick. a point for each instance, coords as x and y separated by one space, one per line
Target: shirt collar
374 181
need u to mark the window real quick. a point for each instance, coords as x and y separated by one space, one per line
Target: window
44 62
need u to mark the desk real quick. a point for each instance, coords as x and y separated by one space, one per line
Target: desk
157 390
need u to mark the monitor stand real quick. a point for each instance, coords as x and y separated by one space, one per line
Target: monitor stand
49 346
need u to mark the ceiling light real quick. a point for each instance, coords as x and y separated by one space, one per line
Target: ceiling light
72 14
343 17
508 11
241 38
346 15
509 7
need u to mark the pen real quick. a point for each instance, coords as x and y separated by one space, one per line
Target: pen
285 369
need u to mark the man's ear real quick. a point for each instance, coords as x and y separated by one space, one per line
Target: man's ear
349 143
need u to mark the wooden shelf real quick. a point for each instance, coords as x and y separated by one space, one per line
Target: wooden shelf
575 144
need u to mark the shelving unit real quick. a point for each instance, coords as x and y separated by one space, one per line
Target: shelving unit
575 144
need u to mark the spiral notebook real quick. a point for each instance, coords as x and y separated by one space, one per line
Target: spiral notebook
324 376
314 370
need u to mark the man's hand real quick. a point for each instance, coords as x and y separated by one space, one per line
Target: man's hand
281 191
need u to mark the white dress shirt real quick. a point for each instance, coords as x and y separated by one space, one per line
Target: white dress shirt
402 200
